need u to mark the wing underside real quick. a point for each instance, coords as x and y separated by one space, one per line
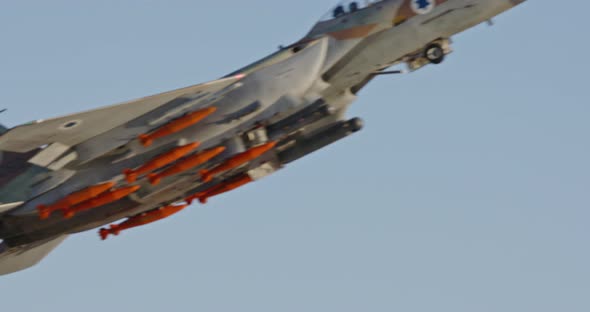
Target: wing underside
76 128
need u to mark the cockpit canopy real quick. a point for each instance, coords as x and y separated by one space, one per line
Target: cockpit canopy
345 7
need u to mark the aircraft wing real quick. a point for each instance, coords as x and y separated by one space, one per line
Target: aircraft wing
76 128
23 257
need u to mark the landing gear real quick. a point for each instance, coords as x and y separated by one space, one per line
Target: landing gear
433 53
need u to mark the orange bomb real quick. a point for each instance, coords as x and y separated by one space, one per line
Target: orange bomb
74 198
160 161
100 200
139 220
186 164
220 189
176 125
237 160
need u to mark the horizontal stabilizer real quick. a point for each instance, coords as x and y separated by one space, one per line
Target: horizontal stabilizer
19 258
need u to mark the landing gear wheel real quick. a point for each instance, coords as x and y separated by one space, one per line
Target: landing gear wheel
434 53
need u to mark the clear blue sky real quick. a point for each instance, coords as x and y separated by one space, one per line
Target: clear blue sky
468 190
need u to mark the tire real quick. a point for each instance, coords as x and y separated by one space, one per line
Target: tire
434 53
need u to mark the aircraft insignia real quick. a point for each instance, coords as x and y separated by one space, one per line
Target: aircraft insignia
423 6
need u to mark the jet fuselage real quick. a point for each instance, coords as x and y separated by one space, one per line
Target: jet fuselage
296 98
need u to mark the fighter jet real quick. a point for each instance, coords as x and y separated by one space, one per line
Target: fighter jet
141 161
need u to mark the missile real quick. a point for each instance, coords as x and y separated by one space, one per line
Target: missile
141 219
100 200
73 199
160 161
305 145
176 125
203 99
237 160
221 188
186 164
